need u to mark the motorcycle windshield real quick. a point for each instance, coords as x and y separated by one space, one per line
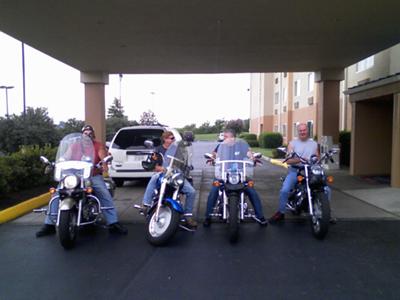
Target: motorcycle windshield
233 157
75 155
177 156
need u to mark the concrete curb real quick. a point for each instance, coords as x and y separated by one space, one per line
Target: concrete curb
23 208
276 162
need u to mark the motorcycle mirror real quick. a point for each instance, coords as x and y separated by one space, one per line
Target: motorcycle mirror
44 160
148 144
108 159
257 155
208 156
48 169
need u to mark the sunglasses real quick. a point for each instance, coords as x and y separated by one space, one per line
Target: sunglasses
171 137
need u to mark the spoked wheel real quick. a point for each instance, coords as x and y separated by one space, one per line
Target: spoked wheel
233 219
322 214
68 229
161 231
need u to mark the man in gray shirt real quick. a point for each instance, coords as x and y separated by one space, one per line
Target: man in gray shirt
304 147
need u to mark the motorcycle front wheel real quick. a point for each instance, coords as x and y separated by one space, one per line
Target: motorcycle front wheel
233 218
322 214
68 229
160 232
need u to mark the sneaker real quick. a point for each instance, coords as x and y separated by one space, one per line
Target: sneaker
277 217
207 222
262 221
117 228
46 230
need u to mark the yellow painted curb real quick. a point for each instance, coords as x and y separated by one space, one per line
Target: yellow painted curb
20 209
278 163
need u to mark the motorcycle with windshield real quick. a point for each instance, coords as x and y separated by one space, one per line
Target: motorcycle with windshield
234 170
164 216
77 206
310 194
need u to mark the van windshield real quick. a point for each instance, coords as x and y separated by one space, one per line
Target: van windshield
134 138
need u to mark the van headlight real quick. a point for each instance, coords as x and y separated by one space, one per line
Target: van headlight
71 181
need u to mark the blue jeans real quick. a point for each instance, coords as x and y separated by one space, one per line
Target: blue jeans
288 184
187 190
250 192
101 192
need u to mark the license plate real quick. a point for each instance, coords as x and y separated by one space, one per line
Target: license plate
136 157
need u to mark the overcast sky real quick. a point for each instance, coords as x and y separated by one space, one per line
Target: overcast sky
177 100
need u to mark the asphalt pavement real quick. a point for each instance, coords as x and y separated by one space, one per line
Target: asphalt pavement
359 259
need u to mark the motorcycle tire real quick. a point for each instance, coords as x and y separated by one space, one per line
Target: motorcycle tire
233 218
68 229
322 211
159 233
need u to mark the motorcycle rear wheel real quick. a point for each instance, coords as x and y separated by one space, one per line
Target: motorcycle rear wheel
233 218
159 233
68 229
322 215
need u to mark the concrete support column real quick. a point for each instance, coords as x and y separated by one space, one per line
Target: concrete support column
395 170
328 103
95 102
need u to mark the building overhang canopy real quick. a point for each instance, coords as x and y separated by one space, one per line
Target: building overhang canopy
208 36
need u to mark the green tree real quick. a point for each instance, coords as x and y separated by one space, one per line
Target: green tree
219 125
72 125
116 110
148 118
35 128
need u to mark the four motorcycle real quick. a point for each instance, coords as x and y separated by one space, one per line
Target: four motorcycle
233 172
310 193
72 170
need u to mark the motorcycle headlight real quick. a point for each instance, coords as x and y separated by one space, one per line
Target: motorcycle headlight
71 181
177 180
317 170
234 178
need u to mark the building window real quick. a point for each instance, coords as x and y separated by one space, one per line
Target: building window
276 80
284 95
276 128
276 97
275 112
284 130
365 64
297 88
296 105
284 108
310 126
295 129
311 82
310 100
285 74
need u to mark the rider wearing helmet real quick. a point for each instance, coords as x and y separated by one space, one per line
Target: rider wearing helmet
99 188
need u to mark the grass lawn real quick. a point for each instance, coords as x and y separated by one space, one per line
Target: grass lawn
265 151
206 137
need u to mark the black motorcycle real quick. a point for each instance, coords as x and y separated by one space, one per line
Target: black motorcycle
233 172
310 192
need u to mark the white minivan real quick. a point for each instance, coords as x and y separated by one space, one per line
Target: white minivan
128 151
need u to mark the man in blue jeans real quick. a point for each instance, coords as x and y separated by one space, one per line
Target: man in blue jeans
168 139
249 191
305 147
100 191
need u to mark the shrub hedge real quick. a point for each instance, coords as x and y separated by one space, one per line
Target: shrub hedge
250 138
270 140
23 169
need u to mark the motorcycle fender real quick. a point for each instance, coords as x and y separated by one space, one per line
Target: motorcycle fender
67 204
175 205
